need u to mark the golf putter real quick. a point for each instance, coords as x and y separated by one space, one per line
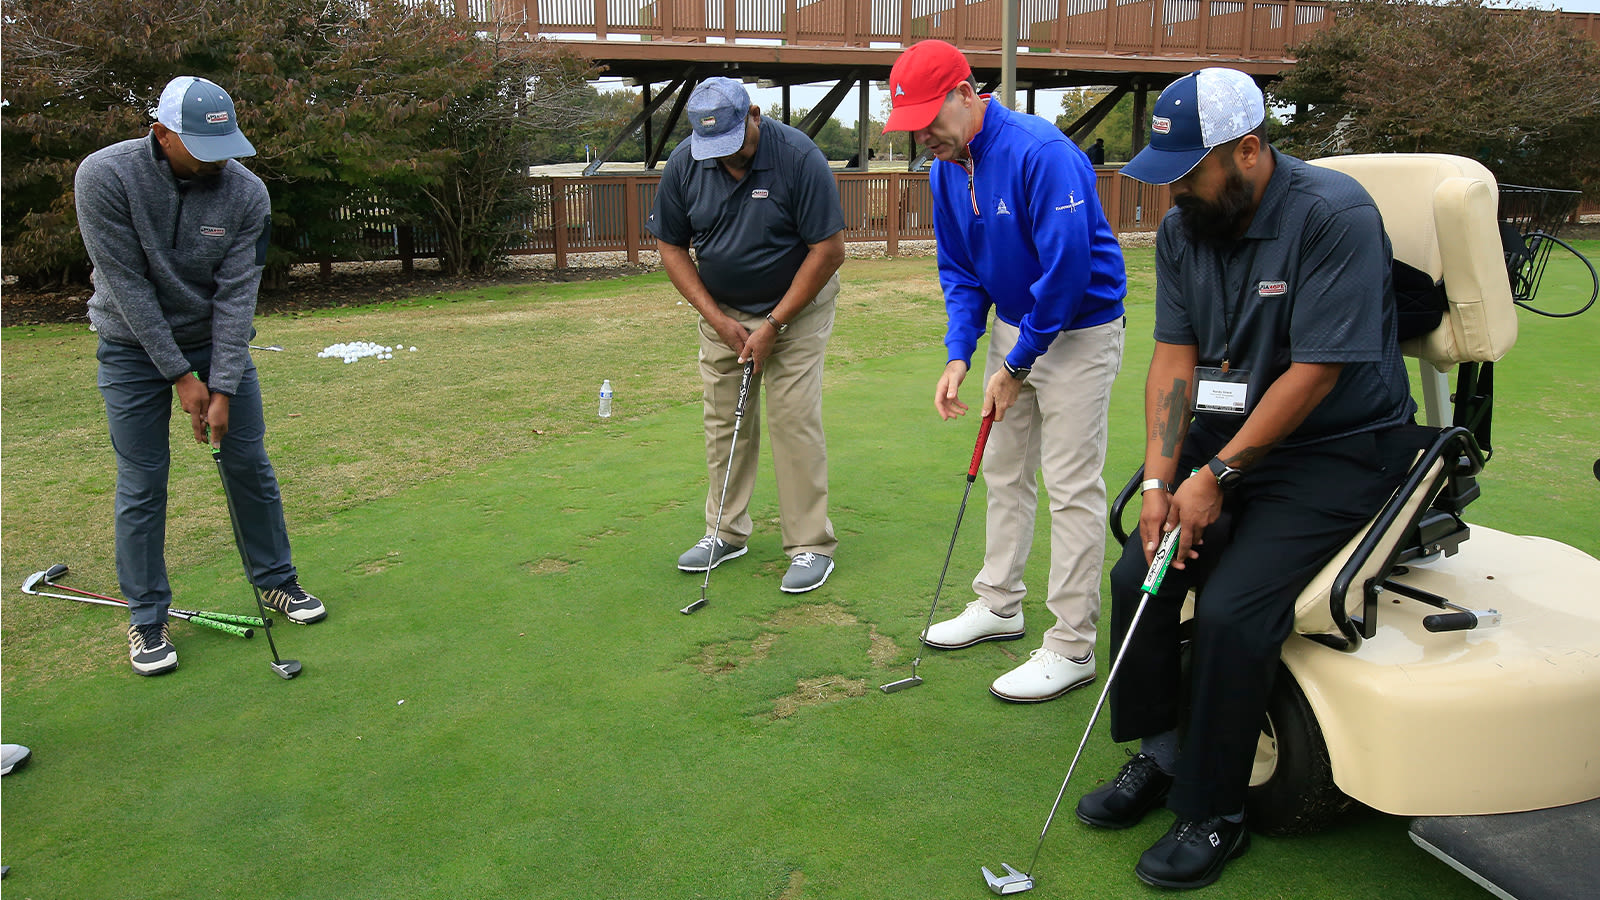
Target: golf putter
1014 882
274 348
283 668
972 475
716 531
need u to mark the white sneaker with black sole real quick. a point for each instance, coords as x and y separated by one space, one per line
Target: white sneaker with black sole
150 649
976 624
1045 676
806 572
294 602
699 557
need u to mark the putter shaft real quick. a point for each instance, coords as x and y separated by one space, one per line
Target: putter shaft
1152 584
716 530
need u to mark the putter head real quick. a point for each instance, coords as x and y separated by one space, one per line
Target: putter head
1013 882
694 607
286 668
900 685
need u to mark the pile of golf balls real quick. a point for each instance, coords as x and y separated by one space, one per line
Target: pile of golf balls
358 349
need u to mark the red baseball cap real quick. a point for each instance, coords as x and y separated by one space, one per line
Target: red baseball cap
919 81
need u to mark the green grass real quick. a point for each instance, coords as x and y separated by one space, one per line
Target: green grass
500 560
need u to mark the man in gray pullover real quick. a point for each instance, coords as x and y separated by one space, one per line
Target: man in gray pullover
177 231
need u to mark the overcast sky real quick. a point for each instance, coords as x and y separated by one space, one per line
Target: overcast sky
1046 103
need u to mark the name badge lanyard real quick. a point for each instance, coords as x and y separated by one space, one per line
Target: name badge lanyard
1224 389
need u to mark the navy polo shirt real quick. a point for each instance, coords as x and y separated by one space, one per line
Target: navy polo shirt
1308 282
749 236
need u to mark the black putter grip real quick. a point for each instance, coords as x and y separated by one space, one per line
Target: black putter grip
977 451
1456 621
744 386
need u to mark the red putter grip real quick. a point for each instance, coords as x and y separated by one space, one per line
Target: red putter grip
977 452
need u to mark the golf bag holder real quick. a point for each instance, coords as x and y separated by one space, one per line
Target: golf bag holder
1441 215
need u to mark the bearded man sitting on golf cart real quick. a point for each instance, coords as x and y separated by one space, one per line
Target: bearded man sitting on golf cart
1279 421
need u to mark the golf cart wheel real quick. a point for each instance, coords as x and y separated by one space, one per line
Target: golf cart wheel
1291 783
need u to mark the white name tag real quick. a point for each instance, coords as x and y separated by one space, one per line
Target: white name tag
1219 391
1216 396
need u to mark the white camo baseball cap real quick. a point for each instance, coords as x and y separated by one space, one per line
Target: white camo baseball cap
1195 113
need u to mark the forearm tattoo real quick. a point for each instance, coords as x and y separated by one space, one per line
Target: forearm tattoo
1171 419
1247 457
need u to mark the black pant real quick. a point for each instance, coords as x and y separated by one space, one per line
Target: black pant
1287 517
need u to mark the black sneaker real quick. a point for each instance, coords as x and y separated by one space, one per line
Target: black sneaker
150 649
292 600
1140 787
1192 853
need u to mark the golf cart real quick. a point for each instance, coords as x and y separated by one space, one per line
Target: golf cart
1439 670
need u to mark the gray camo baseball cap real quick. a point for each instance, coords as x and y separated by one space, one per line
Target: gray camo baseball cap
203 116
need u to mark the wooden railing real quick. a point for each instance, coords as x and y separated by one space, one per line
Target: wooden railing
606 213
1240 29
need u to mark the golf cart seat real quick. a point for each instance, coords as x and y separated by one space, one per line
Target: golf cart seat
1440 213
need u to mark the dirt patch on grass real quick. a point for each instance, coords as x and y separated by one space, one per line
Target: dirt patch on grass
817 691
547 566
729 656
883 650
796 888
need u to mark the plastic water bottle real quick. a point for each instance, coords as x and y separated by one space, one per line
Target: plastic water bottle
605 399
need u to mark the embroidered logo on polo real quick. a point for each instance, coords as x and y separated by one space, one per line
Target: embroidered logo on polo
216 118
212 230
1160 124
758 194
1273 288
1072 202
1001 209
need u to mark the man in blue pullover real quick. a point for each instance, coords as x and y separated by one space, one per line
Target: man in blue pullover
1020 230
177 231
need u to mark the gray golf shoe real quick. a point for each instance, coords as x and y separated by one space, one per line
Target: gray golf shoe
807 573
699 557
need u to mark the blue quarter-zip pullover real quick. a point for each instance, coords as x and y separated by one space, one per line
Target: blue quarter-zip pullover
1020 227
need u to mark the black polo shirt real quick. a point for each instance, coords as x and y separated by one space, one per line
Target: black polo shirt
1308 282
749 236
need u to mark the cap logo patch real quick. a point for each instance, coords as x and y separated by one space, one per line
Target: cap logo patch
213 230
216 118
707 121
899 91
1274 288
1160 124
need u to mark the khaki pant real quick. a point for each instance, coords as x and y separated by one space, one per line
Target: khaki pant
792 376
1058 425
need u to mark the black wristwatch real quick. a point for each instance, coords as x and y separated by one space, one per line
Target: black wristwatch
1227 476
1020 373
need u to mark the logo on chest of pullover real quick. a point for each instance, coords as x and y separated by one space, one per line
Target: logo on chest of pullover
1001 209
212 231
1273 288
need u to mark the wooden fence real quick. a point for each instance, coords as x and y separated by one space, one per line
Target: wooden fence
606 213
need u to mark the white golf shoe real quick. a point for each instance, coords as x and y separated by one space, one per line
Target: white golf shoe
976 624
1045 676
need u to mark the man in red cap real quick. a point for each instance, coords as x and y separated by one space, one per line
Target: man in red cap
1020 230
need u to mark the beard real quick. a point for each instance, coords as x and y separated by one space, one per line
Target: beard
1218 223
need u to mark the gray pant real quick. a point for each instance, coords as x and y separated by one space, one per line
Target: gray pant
139 411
